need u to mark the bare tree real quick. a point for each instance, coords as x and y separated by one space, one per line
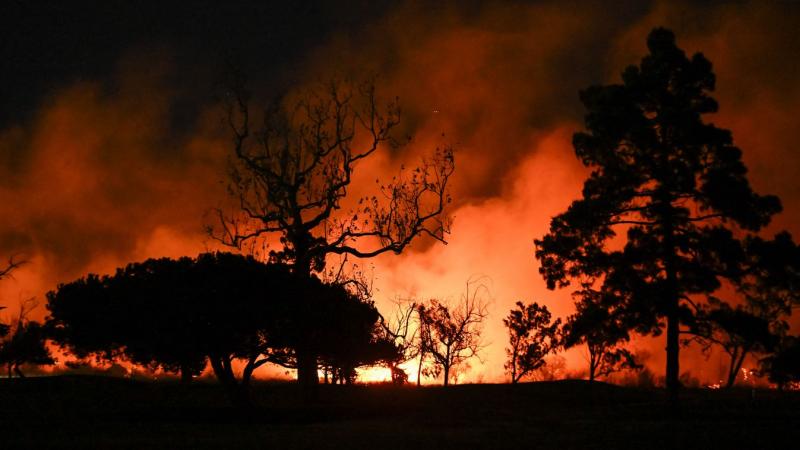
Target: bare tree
452 335
400 327
291 176
10 267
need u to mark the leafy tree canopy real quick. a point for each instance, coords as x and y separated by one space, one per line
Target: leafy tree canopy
667 196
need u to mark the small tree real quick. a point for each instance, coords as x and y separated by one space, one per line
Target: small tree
402 330
291 177
597 324
25 344
532 335
452 336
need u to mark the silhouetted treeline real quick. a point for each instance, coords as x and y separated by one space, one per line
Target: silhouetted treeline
664 240
179 315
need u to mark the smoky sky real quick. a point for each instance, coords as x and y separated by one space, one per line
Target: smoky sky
113 149
49 44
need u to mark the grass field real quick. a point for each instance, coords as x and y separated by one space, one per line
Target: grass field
102 412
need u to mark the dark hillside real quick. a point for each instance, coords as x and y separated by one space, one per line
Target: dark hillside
92 412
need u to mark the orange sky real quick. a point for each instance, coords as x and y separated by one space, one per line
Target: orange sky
95 186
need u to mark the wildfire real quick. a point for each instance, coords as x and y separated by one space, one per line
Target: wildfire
375 375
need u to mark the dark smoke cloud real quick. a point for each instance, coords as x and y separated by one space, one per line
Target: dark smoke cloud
98 175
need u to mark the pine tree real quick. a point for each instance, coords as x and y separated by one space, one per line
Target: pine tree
672 184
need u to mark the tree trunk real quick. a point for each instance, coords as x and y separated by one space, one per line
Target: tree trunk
673 349
18 372
736 365
672 300
236 394
247 373
446 374
307 374
514 377
419 369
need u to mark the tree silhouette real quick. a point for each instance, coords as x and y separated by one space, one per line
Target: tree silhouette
769 282
24 343
336 324
176 314
768 288
783 367
291 177
672 183
452 335
532 335
597 324
404 333
739 331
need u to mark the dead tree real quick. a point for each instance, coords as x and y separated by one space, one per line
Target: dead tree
291 176
404 333
10 267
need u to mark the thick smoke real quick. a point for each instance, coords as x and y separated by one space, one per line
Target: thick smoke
100 178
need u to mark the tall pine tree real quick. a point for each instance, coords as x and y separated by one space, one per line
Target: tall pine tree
672 184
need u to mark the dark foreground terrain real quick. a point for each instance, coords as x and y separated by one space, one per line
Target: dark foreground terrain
99 412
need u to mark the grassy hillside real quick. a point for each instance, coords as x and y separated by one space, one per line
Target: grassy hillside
101 412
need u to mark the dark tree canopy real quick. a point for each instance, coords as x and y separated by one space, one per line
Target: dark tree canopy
177 315
671 183
766 292
350 336
23 342
770 282
739 331
26 345
783 367
598 324
532 335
